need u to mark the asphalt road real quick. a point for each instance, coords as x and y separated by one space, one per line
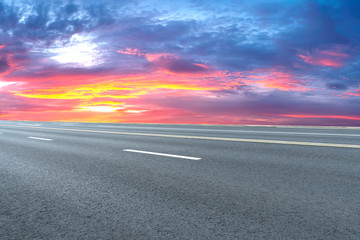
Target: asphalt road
148 181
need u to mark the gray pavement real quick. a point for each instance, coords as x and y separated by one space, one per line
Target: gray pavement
59 183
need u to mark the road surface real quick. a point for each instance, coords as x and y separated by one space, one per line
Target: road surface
148 181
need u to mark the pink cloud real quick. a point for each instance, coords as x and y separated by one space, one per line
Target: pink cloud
275 79
334 56
355 93
129 51
151 57
168 61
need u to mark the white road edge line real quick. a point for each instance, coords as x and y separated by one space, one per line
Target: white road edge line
43 139
162 154
232 131
318 144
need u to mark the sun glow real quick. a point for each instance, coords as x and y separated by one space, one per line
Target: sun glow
79 51
135 111
3 84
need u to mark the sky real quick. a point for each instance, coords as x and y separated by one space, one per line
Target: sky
252 62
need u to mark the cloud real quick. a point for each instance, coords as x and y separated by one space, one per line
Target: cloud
176 65
167 61
50 20
4 66
355 93
276 79
331 56
337 86
203 61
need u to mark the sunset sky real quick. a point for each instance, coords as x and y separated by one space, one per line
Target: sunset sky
197 61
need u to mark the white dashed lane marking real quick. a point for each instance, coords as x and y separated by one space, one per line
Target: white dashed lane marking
42 139
162 154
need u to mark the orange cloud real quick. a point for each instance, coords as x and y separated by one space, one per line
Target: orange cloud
111 94
85 92
123 98
116 93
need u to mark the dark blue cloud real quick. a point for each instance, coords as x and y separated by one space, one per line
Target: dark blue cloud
4 65
337 86
50 20
71 8
179 66
9 16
